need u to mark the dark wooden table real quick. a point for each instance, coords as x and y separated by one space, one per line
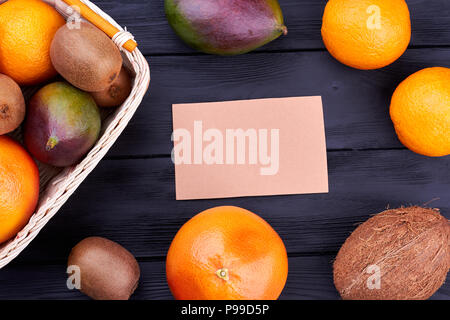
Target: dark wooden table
130 197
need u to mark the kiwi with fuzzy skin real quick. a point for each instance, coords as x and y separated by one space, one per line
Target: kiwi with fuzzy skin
12 105
86 57
406 249
107 270
117 92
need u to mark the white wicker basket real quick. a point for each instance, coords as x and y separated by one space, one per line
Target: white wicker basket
58 185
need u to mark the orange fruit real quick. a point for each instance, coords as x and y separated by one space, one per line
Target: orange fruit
420 111
226 253
27 28
366 34
19 192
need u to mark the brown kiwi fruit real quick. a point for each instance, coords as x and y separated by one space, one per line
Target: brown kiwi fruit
117 92
86 57
107 270
12 105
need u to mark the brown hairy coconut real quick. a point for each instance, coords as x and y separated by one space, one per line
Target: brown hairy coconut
407 247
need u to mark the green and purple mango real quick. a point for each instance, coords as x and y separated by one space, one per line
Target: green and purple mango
226 27
62 124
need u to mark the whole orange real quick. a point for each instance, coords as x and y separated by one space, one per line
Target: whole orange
227 253
366 34
19 192
420 111
27 28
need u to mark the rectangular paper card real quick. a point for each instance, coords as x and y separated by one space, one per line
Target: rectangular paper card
249 148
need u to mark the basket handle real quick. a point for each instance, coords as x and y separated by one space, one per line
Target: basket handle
100 23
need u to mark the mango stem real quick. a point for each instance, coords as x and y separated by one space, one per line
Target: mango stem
51 143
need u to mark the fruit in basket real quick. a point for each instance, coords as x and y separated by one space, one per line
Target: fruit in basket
420 111
366 34
226 27
12 105
107 270
117 92
19 192
86 57
27 28
399 254
62 124
226 253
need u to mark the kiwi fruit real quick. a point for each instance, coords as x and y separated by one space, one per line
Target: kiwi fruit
86 57
399 254
12 105
117 92
107 270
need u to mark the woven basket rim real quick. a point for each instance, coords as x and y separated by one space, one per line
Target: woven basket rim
61 187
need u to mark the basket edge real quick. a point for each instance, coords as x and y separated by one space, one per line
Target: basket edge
77 174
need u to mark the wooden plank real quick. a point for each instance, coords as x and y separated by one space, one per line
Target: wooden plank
133 202
310 277
147 21
356 103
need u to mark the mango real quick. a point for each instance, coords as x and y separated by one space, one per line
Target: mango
226 27
62 124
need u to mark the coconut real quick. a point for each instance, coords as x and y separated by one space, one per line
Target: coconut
399 254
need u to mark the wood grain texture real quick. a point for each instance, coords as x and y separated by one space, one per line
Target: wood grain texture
310 277
133 202
356 103
130 198
147 21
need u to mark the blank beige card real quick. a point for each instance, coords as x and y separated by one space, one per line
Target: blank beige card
249 148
